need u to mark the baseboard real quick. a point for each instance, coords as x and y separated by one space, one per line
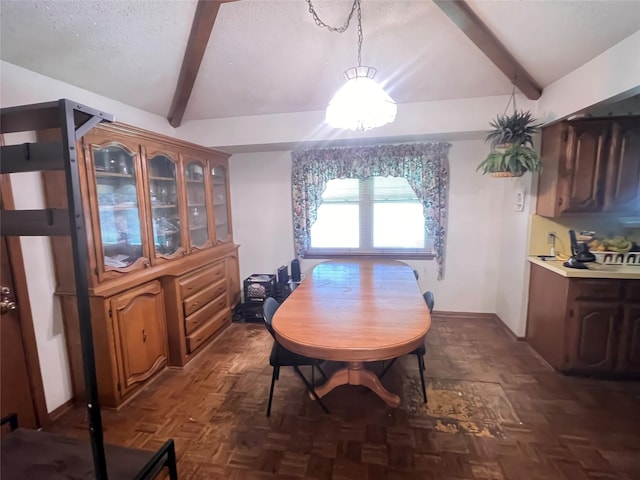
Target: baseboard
500 322
463 315
478 316
56 413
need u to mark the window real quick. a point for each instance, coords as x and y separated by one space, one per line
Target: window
360 215
373 215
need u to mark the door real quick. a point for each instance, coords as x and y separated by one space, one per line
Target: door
622 192
162 177
16 395
200 233
583 170
117 202
140 331
629 351
592 331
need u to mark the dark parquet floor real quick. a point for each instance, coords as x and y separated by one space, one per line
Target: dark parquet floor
563 428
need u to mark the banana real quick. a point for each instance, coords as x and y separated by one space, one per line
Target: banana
621 248
619 244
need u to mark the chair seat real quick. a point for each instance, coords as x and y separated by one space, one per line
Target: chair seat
280 356
421 350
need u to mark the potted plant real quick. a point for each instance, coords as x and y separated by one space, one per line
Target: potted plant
511 141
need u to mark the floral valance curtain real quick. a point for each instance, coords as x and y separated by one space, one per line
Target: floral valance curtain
424 165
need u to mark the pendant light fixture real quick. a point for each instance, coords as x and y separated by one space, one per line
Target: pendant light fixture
360 104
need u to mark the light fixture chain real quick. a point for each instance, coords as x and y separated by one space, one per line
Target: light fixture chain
360 35
343 28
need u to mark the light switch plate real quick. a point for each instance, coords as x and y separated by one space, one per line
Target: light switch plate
519 203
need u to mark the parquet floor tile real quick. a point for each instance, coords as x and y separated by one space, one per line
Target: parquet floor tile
496 412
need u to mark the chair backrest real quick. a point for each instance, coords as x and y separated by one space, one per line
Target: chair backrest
268 310
429 299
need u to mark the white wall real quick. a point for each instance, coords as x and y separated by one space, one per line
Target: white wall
45 306
511 253
261 203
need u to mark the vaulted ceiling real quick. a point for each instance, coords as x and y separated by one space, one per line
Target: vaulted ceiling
268 56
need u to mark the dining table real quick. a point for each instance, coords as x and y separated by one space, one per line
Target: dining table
354 311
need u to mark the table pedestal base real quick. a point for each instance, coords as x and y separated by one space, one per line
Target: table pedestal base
356 374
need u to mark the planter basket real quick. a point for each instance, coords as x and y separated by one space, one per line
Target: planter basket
507 174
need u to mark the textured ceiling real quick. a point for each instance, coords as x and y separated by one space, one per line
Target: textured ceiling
268 56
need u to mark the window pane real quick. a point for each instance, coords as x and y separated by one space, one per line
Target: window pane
342 190
398 220
392 189
398 225
336 226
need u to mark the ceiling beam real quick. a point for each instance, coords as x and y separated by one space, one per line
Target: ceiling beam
461 14
201 28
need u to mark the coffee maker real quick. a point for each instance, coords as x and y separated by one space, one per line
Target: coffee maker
580 253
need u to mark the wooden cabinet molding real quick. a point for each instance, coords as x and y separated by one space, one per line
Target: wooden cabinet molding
587 326
590 166
140 334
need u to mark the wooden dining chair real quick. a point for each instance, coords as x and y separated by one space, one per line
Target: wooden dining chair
281 357
420 351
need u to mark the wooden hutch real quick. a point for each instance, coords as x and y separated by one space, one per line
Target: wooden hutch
163 268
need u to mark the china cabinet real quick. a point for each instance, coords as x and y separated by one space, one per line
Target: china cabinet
590 166
158 214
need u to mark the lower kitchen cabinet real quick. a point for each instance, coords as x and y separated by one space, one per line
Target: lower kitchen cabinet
585 326
592 328
629 358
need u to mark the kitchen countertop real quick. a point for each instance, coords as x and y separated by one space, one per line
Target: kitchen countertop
595 270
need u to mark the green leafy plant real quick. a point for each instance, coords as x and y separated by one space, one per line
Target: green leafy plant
511 141
518 127
515 160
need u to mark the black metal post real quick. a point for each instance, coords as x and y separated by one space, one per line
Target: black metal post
81 265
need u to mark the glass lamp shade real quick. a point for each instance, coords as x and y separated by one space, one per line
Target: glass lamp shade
361 104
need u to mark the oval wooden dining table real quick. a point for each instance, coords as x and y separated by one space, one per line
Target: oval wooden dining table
355 311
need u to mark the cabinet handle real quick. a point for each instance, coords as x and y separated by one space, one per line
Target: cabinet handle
144 336
194 304
560 202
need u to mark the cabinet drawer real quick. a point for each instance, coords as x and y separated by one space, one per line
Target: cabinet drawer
199 280
202 297
598 289
632 290
203 315
203 333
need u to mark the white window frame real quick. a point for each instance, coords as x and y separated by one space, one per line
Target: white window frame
366 248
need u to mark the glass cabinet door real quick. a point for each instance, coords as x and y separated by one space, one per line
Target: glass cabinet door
118 209
165 208
194 172
219 188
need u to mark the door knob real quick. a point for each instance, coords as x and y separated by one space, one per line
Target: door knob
6 304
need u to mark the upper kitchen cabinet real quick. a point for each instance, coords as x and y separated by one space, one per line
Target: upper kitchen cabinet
590 166
622 189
